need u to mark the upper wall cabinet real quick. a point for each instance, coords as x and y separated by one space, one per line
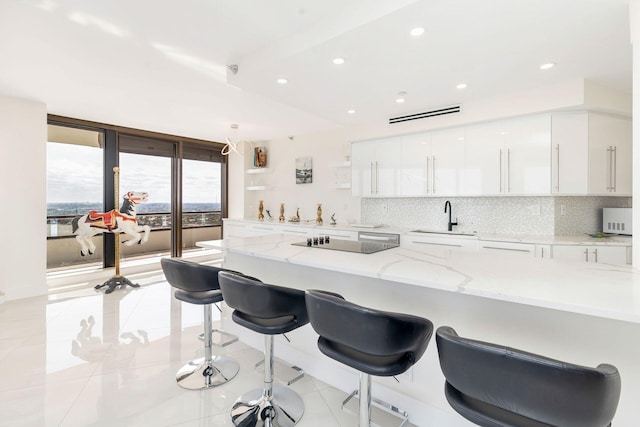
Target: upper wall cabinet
509 157
610 160
375 167
559 154
591 154
433 163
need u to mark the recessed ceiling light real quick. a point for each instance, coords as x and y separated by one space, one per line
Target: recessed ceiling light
338 61
547 66
283 81
399 100
351 111
418 31
461 86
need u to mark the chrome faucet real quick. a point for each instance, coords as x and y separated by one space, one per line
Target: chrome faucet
450 225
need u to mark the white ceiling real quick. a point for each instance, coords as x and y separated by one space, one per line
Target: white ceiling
162 66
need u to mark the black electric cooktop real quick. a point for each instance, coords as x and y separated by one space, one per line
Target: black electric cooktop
350 246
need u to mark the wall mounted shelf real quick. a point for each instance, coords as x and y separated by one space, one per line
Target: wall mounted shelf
341 186
259 170
343 164
259 188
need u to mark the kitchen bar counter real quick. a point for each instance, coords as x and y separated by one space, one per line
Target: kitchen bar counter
600 290
576 312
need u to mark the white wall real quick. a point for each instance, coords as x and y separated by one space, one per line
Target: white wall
23 137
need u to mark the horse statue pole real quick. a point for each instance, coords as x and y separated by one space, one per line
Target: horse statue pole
117 279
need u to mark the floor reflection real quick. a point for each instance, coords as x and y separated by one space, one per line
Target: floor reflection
89 359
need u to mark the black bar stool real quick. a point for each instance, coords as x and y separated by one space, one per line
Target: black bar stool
492 385
269 310
371 341
198 284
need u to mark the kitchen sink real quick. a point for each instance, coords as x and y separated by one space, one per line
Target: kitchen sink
444 233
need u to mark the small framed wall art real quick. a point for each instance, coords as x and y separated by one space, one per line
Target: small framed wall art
260 157
304 170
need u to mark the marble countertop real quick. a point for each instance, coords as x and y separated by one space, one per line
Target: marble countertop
583 239
601 290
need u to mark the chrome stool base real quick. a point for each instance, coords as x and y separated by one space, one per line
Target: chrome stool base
252 409
382 414
199 375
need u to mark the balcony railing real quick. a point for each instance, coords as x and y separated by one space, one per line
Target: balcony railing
63 251
60 226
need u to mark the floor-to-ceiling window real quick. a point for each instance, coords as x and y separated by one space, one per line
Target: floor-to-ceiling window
74 187
184 180
201 194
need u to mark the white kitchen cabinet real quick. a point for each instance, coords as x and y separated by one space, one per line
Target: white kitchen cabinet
375 167
339 234
294 230
591 154
610 160
616 255
433 163
510 157
416 174
239 229
569 153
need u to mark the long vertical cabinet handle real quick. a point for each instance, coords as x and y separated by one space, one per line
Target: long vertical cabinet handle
427 177
557 167
615 168
377 180
609 156
595 253
371 178
433 174
586 255
508 171
500 170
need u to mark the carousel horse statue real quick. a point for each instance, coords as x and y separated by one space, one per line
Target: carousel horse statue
124 221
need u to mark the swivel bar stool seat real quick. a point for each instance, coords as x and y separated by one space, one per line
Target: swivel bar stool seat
269 310
496 386
371 341
198 284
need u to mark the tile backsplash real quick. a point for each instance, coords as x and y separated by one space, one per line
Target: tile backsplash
539 216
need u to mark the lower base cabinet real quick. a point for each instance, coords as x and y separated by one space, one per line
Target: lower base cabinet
616 255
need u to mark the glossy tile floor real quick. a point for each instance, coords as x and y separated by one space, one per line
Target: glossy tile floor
83 358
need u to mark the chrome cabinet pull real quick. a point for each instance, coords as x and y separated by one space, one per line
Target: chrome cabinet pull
377 181
508 171
427 175
614 168
557 167
595 253
371 178
586 255
433 174
500 170
506 249
609 157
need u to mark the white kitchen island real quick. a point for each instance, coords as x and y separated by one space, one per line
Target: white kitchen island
576 312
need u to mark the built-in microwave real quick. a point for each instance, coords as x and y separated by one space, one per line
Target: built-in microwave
617 220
